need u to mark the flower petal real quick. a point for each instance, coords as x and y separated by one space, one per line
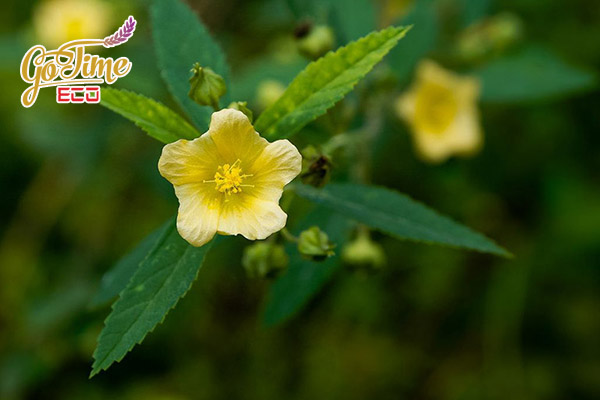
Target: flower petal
187 161
199 210
250 217
469 90
463 136
432 147
235 137
428 70
405 105
278 164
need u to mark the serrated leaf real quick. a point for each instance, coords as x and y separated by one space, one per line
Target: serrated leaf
155 119
155 288
325 82
303 279
117 278
181 40
397 215
423 38
532 74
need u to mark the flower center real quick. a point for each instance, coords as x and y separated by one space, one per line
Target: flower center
435 108
229 178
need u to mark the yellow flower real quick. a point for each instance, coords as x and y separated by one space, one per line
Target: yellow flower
60 21
229 180
442 113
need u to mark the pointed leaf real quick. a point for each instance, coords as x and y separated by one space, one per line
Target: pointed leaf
117 278
181 40
397 215
155 119
160 281
325 82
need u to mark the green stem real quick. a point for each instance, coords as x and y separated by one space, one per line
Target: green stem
287 235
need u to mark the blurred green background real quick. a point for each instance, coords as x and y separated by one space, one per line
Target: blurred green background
80 187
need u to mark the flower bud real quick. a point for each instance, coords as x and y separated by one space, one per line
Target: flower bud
505 29
264 260
243 107
314 41
268 92
207 87
489 36
364 254
316 167
314 244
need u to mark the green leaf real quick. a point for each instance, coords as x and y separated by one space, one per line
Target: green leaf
397 215
324 82
181 40
155 119
533 74
423 38
162 278
117 278
303 279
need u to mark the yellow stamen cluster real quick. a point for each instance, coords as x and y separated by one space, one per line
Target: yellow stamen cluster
229 178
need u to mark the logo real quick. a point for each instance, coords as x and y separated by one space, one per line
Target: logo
75 73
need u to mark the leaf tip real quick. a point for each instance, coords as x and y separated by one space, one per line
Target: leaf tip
95 371
505 253
496 250
406 28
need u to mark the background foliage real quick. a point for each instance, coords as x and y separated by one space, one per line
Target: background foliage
80 188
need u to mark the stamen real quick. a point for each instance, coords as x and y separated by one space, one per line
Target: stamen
229 177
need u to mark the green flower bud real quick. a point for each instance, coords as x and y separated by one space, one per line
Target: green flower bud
505 29
268 92
489 36
313 42
243 107
471 45
316 167
207 87
314 244
264 260
364 254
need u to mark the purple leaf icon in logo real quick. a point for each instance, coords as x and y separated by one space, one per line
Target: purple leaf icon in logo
122 34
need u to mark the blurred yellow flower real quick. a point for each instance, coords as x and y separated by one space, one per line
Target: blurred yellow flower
441 110
60 21
229 180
